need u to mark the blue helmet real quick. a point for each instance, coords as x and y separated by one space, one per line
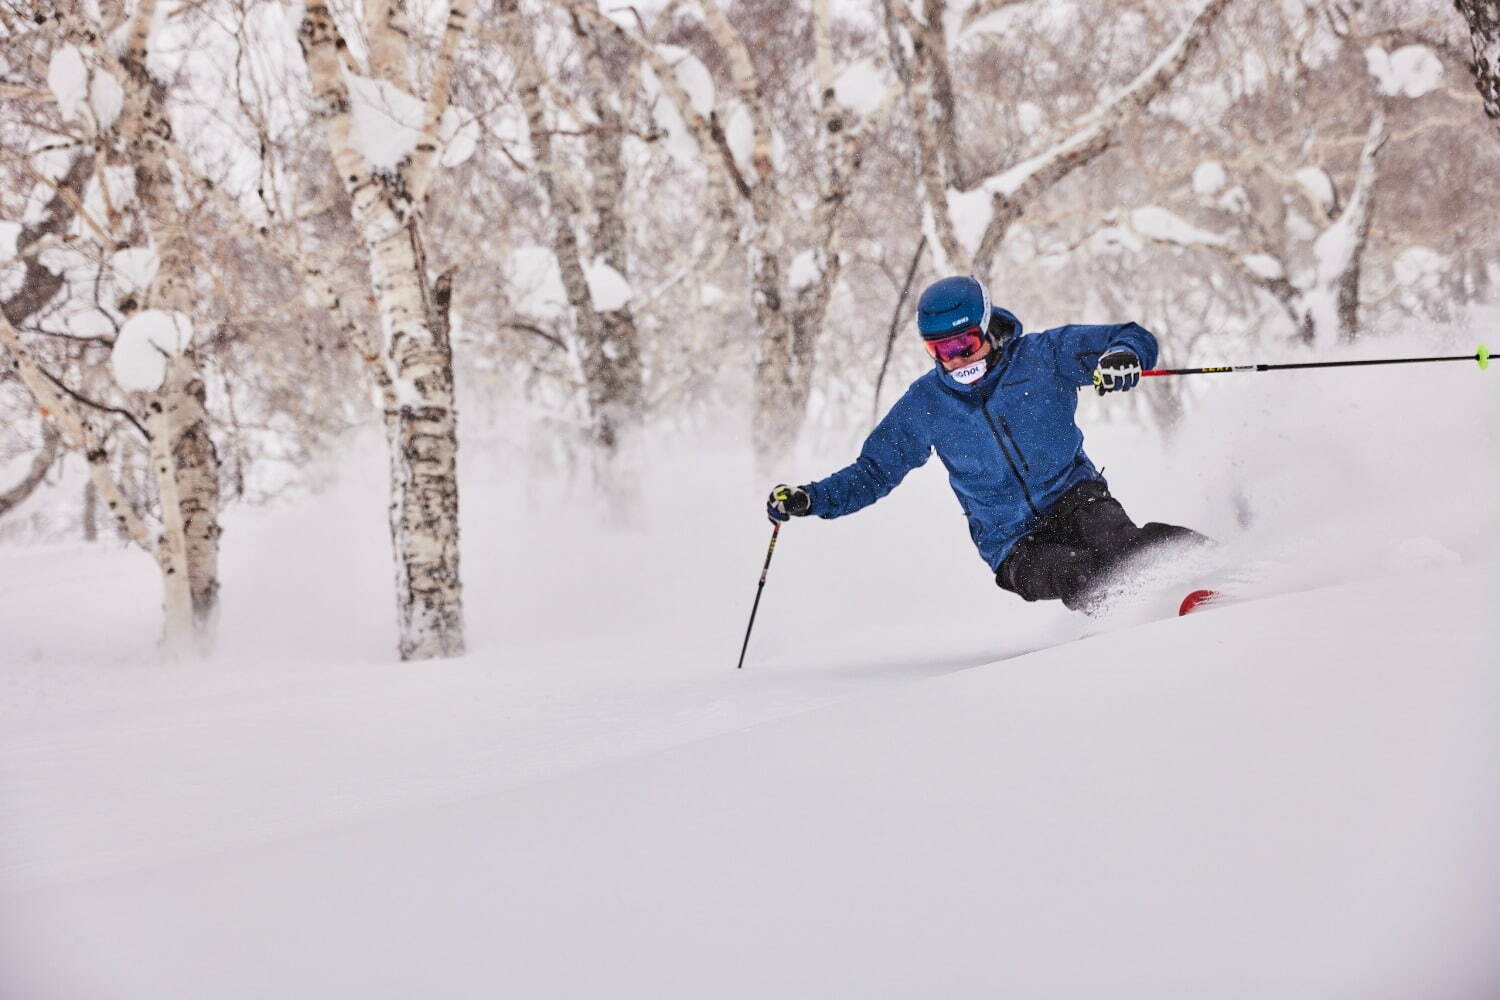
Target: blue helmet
952 304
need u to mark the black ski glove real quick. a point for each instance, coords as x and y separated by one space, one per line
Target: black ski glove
1118 370
787 502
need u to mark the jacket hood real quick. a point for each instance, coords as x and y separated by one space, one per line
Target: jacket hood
1006 329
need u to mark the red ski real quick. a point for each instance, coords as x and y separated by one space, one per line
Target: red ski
1198 600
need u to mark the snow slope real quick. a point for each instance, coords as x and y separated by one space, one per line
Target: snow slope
918 785
1293 797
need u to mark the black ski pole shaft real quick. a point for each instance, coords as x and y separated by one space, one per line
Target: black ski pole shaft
770 551
1482 356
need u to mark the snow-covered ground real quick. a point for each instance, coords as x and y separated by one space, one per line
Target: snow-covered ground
918 785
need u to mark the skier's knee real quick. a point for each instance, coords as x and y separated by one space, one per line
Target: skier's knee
1046 572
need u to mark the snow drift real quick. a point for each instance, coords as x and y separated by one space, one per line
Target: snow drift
918 784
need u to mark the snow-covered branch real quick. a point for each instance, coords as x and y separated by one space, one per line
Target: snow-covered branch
839 141
140 31
747 83
386 31
597 291
1001 199
1323 305
1334 299
57 407
982 9
726 182
1258 266
424 159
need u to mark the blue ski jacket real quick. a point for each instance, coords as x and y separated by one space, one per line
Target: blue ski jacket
1010 441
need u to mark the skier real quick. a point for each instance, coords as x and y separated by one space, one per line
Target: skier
999 409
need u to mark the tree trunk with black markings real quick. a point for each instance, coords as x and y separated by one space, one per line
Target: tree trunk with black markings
417 363
1483 17
183 457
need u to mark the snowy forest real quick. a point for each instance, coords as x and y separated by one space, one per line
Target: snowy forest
393 387
235 235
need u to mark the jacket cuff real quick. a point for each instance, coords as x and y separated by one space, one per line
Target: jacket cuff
812 499
1144 346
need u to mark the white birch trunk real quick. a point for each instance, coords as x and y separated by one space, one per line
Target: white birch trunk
776 419
1483 17
171 550
183 457
621 391
422 428
840 148
607 345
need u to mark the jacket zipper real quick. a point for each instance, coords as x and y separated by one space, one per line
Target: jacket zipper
1015 444
1000 440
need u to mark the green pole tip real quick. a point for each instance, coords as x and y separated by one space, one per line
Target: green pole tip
1483 357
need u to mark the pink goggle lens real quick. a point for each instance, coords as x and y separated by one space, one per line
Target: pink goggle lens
964 344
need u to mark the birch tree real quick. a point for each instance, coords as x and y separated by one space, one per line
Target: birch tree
38 285
55 404
73 418
388 173
41 464
118 107
969 217
1483 19
588 232
183 457
1322 300
790 292
792 297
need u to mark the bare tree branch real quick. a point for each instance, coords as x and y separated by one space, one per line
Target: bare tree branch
890 339
56 406
424 159
41 464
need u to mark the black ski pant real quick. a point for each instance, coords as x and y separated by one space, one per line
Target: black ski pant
1081 540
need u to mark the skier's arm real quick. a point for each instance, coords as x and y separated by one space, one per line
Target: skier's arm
892 450
1077 349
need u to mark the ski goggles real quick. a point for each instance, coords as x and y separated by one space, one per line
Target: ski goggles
958 346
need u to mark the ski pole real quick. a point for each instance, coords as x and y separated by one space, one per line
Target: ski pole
1482 356
770 551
